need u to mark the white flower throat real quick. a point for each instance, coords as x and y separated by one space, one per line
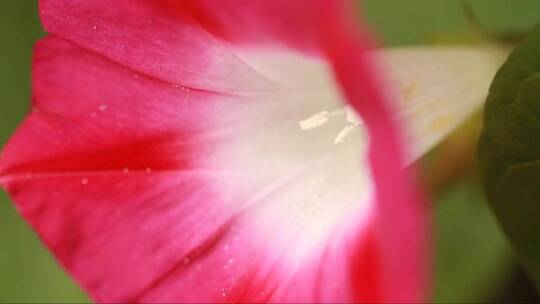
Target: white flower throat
297 155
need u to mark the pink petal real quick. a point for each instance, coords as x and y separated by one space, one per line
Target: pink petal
121 166
398 200
151 37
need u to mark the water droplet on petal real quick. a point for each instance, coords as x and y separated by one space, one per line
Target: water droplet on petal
84 181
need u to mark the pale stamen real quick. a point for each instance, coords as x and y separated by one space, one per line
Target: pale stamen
319 119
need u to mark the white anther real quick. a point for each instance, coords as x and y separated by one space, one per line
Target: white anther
314 121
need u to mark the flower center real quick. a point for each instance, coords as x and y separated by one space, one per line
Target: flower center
294 158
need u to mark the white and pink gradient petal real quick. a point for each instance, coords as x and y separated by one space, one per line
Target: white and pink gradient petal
147 213
176 152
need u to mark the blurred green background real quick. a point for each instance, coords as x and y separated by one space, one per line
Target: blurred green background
473 262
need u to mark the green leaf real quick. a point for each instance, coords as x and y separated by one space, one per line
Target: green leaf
509 151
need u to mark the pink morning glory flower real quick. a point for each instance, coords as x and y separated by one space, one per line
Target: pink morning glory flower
233 151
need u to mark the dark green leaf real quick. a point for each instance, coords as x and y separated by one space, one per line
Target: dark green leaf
509 151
